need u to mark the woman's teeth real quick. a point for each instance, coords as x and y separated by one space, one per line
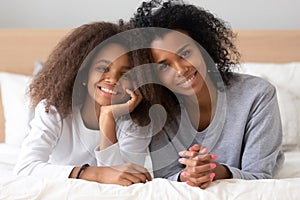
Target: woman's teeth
188 81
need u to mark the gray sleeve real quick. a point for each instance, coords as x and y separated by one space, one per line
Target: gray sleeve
262 154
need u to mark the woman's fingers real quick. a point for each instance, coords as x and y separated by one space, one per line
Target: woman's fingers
195 160
202 182
199 148
201 169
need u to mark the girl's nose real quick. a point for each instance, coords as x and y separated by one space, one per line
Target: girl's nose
112 78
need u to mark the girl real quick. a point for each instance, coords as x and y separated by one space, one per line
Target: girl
228 125
72 103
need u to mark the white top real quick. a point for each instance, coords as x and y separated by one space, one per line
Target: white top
55 146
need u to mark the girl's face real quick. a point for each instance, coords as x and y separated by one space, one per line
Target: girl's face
107 80
180 67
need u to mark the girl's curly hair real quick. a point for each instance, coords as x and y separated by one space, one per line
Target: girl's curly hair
212 33
55 81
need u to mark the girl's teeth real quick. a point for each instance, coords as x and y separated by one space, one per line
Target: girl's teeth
108 91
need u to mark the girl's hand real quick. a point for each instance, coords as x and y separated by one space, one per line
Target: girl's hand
125 174
123 108
199 166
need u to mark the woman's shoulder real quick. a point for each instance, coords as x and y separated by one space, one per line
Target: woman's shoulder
249 88
251 83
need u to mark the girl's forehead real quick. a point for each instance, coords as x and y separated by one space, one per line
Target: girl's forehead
111 51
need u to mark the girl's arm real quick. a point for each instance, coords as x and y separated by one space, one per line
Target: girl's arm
125 174
46 130
108 114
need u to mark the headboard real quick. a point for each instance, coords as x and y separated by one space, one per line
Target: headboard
19 49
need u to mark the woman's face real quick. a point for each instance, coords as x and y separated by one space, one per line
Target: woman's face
180 67
107 80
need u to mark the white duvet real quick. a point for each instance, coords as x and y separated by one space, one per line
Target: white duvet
34 188
285 186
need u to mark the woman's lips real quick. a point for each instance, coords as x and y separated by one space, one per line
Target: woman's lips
188 81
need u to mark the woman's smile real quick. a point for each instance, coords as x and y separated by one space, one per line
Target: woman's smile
188 81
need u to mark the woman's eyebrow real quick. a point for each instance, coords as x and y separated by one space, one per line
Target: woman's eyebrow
182 49
126 67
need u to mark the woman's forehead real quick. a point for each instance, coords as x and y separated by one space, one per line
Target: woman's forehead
172 40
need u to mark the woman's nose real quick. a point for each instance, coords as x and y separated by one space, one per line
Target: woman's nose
180 68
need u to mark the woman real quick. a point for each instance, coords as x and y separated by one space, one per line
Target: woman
228 124
75 95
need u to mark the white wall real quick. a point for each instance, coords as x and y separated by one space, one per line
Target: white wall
251 14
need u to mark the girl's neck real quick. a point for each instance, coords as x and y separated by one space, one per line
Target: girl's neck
90 114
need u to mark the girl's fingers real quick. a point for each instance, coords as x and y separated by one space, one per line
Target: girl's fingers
141 170
135 98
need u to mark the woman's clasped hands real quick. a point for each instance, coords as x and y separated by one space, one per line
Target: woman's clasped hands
199 166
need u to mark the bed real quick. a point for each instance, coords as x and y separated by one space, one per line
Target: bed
271 54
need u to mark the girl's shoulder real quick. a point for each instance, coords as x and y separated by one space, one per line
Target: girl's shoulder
43 112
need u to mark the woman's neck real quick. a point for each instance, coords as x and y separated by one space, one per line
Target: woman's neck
206 102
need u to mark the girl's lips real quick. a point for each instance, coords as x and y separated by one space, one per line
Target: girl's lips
106 90
188 81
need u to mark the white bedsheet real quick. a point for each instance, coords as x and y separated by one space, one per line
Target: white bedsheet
26 187
8 158
34 188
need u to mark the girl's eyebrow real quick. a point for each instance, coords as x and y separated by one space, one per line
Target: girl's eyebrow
161 61
103 61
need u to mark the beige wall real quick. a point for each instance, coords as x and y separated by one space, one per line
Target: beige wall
254 14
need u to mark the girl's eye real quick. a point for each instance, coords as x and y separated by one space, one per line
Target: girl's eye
102 69
163 67
185 54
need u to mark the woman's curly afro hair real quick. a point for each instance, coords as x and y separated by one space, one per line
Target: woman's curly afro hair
212 33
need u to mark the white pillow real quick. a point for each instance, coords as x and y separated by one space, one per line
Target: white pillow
286 78
15 106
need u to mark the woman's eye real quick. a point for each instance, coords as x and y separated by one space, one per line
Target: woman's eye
185 54
163 67
102 69
126 76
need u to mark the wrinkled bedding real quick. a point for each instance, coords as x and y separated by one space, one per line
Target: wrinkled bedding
284 186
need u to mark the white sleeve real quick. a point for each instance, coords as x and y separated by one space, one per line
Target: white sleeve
130 148
38 145
110 156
